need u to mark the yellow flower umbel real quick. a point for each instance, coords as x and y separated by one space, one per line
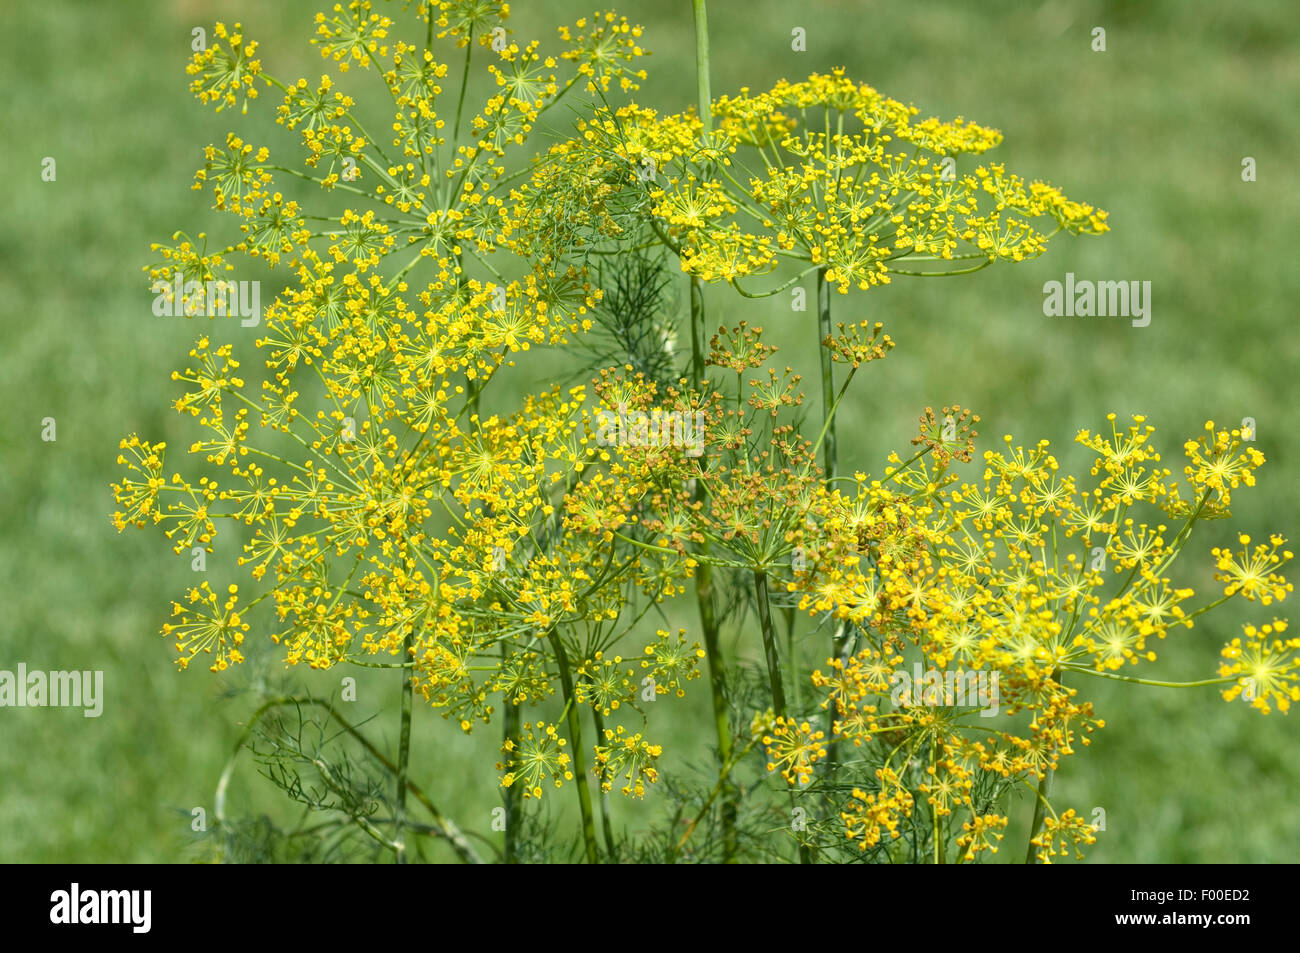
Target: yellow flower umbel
536 759
827 172
208 625
226 72
1266 668
390 517
627 756
793 748
1030 574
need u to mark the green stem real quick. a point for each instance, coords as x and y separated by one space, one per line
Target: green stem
934 817
839 646
705 100
828 373
697 332
830 405
774 671
769 644
791 653
579 753
512 794
606 826
718 698
1040 802
403 756
464 85
704 572
1040 811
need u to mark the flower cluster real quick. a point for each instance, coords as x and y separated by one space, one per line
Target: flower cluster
1034 577
827 172
394 509
387 513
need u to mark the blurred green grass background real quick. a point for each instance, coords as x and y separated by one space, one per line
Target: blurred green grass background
1153 130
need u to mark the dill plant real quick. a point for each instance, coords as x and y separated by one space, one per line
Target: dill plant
508 564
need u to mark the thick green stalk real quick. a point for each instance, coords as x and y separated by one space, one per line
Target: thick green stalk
702 64
839 636
697 332
1040 801
769 644
774 670
704 602
704 572
579 753
403 755
705 102
718 698
1040 811
792 653
514 793
828 372
605 823
935 819
830 463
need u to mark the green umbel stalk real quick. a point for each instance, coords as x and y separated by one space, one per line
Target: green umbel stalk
403 755
579 753
704 572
